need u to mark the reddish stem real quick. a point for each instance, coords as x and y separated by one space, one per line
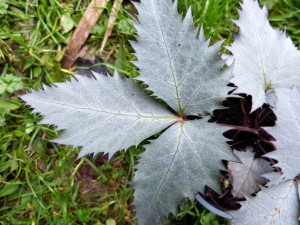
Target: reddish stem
264 117
246 118
241 128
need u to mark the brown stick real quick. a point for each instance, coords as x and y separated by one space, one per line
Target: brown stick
83 30
111 22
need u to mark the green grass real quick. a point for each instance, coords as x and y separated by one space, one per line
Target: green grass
44 183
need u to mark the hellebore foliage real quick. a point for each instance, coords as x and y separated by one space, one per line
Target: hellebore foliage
111 113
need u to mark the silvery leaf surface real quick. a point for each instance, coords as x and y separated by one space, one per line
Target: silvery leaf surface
246 176
278 205
177 165
103 115
286 132
274 178
229 59
264 58
179 67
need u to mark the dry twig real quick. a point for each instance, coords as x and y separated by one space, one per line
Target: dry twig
111 22
82 32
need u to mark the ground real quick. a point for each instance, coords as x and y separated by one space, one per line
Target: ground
45 183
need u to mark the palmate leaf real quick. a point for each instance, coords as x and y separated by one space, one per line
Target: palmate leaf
276 205
179 67
111 113
286 132
188 75
264 58
246 176
103 115
177 165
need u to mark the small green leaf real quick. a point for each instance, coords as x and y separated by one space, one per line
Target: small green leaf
9 105
66 23
5 165
3 7
121 59
2 118
18 133
37 71
111 222
10 83
8 189
126 27
29 128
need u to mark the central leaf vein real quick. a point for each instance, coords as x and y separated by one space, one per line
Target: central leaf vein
180 110
169 167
